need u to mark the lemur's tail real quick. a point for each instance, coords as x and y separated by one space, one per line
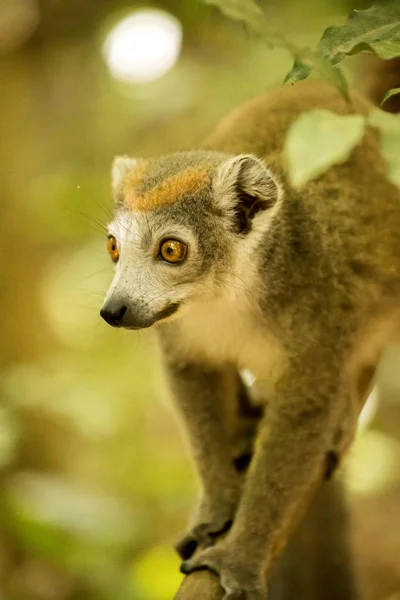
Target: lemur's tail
317 563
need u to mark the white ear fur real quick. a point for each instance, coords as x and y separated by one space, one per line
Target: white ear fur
246 174
122 165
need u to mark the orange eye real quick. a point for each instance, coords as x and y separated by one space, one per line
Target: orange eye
112 248
173 251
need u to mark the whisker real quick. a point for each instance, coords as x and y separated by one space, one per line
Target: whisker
138 221
107 212
138 339
87 306
103 227
120 223
244 285
147 221
96 295
156 297
94 274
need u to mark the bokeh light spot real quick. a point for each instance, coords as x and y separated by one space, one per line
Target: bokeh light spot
143 46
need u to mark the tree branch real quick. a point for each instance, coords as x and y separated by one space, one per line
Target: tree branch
201 584
376 552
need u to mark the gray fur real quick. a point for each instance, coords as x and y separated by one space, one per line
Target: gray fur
303 292
146 285
172 164
122 166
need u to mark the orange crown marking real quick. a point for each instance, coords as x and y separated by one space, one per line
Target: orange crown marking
190 181
135 178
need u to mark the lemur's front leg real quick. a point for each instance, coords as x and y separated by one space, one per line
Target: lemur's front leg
201 395
288 464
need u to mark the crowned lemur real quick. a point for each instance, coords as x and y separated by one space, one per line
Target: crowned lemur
238 270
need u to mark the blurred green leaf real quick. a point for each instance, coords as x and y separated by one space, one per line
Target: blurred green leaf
245 11
299 71
319 139
306 60
252 17
61 505
389 128
376 29
389 94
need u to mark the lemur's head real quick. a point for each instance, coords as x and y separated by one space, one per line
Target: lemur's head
185 227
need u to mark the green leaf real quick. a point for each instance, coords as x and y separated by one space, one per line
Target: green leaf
250 14
306 60
252 17
376 30
389 94
319 139
246 11
298 72
389 128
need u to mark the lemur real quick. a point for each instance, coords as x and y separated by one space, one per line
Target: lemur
238 270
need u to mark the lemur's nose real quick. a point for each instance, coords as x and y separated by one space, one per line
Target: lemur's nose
112 313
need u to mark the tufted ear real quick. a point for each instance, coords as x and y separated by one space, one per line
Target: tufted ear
121 167
244 187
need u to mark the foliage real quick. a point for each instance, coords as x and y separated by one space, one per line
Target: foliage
320 139
95 482
250 15
247 12
376 29
389 94
306 148
389 127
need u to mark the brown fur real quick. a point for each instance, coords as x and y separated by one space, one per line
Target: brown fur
190 181
329 317
306 296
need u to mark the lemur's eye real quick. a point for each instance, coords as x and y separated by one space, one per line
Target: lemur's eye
112 248
173 251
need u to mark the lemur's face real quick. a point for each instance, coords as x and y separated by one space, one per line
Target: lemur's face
182 224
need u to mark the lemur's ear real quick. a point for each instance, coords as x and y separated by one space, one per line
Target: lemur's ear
122 165
243 186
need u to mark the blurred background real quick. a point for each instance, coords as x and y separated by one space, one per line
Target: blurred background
95 480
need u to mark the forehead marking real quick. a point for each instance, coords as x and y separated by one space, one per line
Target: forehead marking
136 176
189 181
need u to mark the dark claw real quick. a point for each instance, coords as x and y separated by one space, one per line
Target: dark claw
203 535
225 527
332 462
207 533
186 547
186 568
235 579
242 462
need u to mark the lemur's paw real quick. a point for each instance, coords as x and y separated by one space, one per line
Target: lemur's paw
239 581
204 535
186 546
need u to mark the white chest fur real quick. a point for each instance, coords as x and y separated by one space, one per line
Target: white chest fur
226 331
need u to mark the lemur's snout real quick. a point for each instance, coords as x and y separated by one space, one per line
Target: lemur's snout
113 313
122 313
